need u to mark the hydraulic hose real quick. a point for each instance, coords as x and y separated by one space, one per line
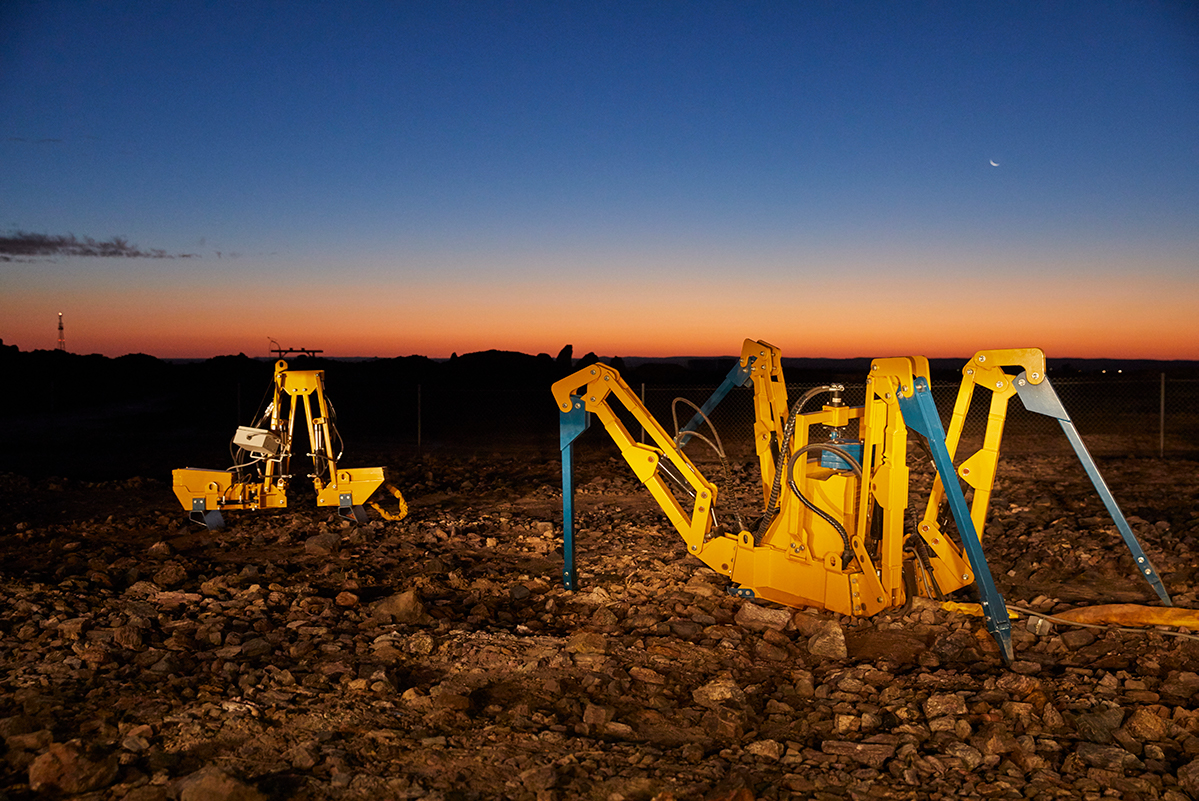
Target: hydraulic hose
715 445
847 553
784 452
920 548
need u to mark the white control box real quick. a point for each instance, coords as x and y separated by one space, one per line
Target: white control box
258 441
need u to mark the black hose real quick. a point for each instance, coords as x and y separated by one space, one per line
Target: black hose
847 553
776 488
716 445
920 547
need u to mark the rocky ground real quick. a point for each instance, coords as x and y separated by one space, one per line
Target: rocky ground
294 656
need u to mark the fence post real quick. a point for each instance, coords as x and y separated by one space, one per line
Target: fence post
418 419
1161 447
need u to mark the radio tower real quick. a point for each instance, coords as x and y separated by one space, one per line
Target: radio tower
62 341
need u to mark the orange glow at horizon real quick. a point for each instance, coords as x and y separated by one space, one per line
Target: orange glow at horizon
653 320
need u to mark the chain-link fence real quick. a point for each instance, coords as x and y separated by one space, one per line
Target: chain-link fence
1142 417
1115 417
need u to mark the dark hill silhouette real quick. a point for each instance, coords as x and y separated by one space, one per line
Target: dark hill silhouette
90 416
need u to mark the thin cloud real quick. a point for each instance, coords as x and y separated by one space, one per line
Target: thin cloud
22 246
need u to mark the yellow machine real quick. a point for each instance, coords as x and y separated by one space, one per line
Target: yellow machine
262 460
831 532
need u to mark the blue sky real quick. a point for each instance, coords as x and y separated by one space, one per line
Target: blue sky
645 179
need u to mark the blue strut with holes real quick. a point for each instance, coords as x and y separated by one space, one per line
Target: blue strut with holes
571 425
1042 399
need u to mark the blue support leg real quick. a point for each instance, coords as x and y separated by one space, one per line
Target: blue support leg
571 425
920 414
1042 399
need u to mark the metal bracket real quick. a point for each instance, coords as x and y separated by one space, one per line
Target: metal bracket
210 518
348 510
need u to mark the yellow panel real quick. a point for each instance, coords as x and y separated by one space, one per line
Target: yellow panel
360 482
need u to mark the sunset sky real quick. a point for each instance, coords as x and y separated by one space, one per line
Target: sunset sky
636 179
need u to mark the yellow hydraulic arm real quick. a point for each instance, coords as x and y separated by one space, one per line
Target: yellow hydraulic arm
592 390
799 557
262 482
831 534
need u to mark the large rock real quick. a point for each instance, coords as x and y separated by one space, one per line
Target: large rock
1188 778
213 784
171 575
323 544
719 693
587 642
760 618
403 607
829 642
896 646
871 754
1146 726
65 767
941 704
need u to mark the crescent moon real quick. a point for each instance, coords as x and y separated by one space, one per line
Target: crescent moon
994 163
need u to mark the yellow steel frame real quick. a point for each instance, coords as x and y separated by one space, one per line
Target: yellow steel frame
800 560
335 486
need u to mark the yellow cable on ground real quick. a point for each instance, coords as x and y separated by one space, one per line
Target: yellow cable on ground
1132 615
1118 617
974 610
403 510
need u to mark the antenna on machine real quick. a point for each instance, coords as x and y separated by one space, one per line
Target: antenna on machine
62 340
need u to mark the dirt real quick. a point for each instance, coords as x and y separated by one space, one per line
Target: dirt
293 655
